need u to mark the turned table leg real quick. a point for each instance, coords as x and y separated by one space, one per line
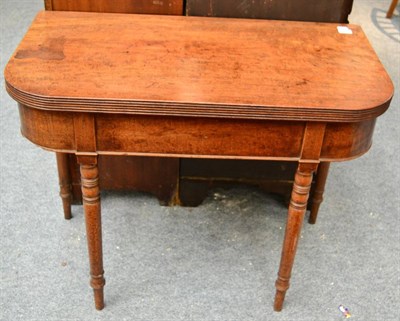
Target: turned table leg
297 209
91 205
317 199
64 178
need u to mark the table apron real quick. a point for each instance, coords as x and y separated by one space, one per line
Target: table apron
118 134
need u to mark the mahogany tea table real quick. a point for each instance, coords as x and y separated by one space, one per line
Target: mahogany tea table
95 84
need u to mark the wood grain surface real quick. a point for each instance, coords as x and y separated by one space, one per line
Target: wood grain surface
174 7
190 66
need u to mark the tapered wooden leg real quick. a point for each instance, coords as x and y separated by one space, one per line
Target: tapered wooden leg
317 199
91 204
297 209
64 178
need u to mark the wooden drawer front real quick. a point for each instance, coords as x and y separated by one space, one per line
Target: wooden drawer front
169 7
302 10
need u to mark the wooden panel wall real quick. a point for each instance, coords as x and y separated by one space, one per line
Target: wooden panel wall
302 10
170 7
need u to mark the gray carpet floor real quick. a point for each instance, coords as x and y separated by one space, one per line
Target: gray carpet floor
214 262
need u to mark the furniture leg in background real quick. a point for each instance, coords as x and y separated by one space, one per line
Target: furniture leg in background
317 196
392 7
64 177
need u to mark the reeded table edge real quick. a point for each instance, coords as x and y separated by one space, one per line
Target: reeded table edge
187 109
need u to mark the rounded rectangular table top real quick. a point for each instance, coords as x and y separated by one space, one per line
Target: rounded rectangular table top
195 66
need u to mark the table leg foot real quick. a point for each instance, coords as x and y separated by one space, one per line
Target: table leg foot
91 205
64 178
99 298
279 298
297 209
317 199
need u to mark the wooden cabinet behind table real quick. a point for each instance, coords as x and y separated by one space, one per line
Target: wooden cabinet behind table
171 7
187 181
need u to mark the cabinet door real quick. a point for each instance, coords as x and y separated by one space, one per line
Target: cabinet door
302 10
170 7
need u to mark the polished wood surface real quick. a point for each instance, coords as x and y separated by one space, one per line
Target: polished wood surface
300 10
194 68
86 111
172 7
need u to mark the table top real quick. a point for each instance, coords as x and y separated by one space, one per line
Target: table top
195 66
